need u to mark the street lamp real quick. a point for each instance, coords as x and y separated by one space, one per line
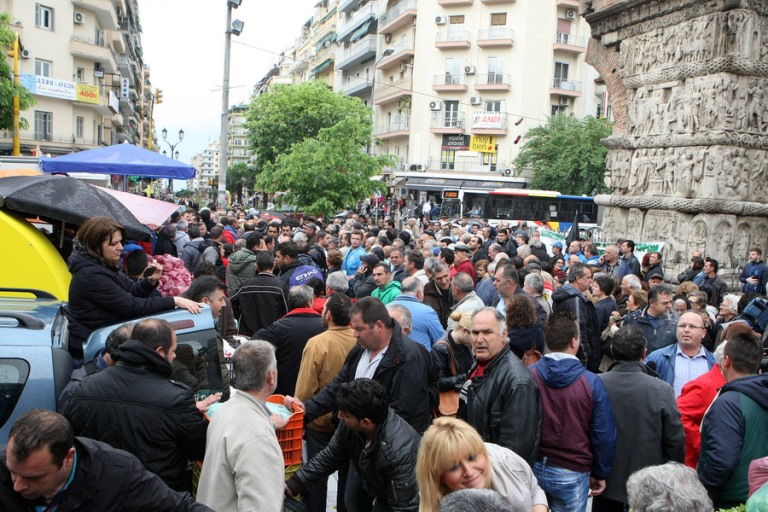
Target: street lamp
233 27
172 146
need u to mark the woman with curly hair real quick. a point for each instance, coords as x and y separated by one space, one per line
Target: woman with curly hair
522 329
453 456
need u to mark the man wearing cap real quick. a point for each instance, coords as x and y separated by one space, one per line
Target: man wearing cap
557 249
461 261
363 283
310 229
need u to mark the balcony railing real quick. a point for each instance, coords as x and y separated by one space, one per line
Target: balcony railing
358 50
496 34
354 21
396 11
448 79
453 36
448 119
388 92
398 124
500 79
568 39
566 85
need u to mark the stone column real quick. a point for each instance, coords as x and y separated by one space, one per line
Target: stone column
688 160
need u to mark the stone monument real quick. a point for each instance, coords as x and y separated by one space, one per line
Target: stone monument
687 163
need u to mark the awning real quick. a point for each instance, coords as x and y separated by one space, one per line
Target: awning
151 212
361 32
330 37
433 183
322 66
119 159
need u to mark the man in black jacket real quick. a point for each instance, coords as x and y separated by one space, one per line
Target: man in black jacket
262 299
49 469
381 446
136 407
287 260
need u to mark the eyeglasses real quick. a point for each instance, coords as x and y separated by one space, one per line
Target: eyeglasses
690 326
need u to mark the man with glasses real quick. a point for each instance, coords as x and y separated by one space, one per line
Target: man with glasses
687 359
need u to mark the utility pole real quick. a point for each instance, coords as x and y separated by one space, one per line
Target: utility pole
236 29
17 47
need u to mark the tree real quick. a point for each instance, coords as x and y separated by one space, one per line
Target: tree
239 176
7 89
566 155
309 144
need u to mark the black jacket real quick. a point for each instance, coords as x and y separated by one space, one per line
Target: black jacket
100 295
318 256
135 406
286 273
504 405
664 335
362 285
106 479
289 335
439 300
405 371
441 358
164 245
568 298
259 302
386 466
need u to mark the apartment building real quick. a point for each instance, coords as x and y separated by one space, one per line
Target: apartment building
237 136
207 165
82 62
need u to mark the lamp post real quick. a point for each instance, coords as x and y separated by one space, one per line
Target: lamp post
172 146
233 27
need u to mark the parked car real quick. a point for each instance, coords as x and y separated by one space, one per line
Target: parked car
35 364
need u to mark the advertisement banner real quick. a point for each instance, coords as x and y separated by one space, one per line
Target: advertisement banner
87 93
114 103
50 87
487 120
455 142
483 144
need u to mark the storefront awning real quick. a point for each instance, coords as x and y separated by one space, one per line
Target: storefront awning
432 183
322 66
490 185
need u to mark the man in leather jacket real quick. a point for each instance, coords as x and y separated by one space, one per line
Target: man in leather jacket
380 444
500 399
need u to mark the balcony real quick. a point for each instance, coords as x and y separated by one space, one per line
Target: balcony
493 82
398 54
392 92
497 36
569 44
358 86
356 53
89 49
568 4
347 6
565 87
103 10
399 16
101 107
299 64
448 82
452 3
399 127
366 14
118 43
498 1
447 121
489 123
453 39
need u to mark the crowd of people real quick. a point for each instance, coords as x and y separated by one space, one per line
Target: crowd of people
439 367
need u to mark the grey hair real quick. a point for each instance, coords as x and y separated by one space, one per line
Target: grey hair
431 264
576 271
299 296
535 282
733 302
412 286
463 282
252 361
337 281
477 500
405 315
719 352
632 281
498 315
524 251
668 487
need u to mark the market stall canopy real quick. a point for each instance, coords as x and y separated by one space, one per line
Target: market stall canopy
66 199
120 159
150 212
4 173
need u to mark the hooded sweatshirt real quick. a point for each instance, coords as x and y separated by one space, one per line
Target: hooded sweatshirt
577 428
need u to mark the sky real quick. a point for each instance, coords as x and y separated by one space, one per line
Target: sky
183 43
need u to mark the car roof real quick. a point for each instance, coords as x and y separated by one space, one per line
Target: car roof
34 314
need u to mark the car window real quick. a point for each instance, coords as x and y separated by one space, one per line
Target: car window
13 377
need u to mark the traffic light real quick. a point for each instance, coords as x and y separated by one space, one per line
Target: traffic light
158 96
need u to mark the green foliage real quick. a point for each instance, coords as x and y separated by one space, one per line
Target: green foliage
309 143
7 90
239 176
566 155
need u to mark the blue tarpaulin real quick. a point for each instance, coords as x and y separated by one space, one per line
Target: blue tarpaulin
120 159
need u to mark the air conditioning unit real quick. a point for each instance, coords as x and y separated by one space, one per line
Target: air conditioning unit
507 172
416 167
435 105
403 66
570 14
387 38
564 100
469 70
79 18
25 54
441 20
475 100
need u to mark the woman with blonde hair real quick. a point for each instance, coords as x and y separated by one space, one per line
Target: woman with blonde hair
453 456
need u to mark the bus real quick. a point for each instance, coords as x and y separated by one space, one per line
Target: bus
546 208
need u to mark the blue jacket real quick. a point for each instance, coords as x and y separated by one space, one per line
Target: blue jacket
664 335
664 358
425 328
351 261
759 270
577 427
734 432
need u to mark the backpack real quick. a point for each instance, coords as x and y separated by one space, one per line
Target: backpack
221 270
302 274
